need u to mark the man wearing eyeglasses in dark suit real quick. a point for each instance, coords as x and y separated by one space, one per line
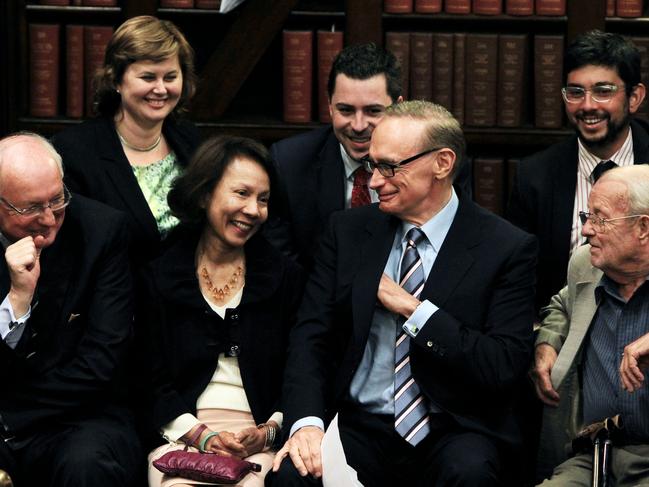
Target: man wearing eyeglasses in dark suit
65 327
415 326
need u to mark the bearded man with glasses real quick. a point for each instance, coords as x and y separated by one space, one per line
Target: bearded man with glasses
65 328
592 350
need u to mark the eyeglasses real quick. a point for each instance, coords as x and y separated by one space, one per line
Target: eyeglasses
57 204
599 223
599 93
388 170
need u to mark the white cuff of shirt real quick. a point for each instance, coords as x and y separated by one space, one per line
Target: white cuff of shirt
419 317
308 421
174 430
8 319
278 417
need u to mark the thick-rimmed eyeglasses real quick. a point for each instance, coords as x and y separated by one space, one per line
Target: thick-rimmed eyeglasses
387 170
599 223
57 204
599 93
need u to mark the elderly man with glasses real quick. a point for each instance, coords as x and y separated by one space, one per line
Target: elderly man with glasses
65 328
592 349
416 323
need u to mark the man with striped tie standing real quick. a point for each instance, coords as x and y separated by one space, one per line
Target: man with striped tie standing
416 324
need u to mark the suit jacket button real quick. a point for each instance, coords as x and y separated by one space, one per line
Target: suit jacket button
234 317
429 343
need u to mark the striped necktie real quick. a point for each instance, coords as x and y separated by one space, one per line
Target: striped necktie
411 418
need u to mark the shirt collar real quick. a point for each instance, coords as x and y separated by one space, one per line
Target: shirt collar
350 164
588 161
437 227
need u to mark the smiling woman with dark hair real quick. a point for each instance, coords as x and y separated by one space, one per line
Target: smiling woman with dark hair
221 302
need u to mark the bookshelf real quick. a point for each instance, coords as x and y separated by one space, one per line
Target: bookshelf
236 100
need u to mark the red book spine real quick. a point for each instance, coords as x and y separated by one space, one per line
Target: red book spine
397 6
481 79
428 6
629 8
488 7
459 75
54 2
421 62
99 3
610 8
548 76
443 70
177 3
512 66
398 43
550 7
43 69
95 40
298 73
457 6
642 43
74 70
329 45
76 2
208 4
519 7
488 181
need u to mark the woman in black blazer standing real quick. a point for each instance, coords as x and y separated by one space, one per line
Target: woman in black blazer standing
128 156
221 303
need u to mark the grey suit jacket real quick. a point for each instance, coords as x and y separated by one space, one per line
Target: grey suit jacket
565 323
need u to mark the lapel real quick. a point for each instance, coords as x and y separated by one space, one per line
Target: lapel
124 183
640 143
584 308
564 179
330 174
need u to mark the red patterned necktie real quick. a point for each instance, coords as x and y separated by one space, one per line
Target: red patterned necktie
360 191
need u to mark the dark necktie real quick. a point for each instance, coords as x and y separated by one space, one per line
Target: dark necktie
360 191
411 418
600 169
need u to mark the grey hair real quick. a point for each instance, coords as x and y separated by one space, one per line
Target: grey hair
442 130
636 180
4 142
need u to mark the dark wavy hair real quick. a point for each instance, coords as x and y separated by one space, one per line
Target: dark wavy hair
190 190
143 38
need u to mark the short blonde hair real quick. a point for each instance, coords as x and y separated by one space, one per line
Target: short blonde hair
143 38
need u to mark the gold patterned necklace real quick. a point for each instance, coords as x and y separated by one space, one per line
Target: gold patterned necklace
219 293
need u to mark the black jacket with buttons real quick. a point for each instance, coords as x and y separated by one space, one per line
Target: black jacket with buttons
186 336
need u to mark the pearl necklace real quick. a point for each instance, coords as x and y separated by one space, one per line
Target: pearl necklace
139 149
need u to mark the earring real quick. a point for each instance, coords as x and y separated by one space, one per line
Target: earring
117 91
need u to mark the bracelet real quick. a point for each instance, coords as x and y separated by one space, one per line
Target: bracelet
201 447
271 434
196 435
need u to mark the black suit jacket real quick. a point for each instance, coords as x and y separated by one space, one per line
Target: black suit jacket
96 167
311 187
186 335
471 352
69 360
542 202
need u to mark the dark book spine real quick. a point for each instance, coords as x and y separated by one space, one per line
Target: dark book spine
610 8
512 169
428 6
459 75
329 45
74 71
421 62
642 43
398 43
488 179
398 6
95 40
488 7
629 8
43 69
177 3
548 76
481 79
550 7
512 66
519 7
443 70
99 3
208 4
60 3
298 75
457 6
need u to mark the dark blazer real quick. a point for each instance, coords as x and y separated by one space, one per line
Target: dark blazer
96 166
187 336
542 201
472 351
311 187
70 358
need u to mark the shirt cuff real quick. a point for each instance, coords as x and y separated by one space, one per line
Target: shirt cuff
308 421
8 320
179 427
278 418
419 317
